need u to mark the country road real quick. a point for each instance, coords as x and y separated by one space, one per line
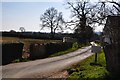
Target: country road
44 67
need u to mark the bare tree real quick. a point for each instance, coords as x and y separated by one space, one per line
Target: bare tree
106 8
82 11
59 22
22 29
116 5
52 19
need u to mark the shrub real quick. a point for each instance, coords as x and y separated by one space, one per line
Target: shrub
11 51
75 45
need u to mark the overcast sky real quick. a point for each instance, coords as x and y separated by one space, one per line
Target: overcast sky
26 13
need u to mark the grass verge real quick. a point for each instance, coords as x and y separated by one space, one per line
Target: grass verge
75 46
21 60
63 52
86 70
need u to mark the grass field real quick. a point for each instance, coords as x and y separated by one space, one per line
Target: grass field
86 70
25 40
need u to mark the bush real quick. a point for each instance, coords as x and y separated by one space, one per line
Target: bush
39 51
11 52
75 45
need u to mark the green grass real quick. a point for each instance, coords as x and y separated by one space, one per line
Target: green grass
63 52
20 60
86 70
75 46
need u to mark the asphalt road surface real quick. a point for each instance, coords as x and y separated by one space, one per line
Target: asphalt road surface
45 67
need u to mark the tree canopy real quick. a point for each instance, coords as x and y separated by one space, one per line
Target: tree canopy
82 11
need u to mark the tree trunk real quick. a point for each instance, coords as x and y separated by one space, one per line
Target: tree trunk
52 33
